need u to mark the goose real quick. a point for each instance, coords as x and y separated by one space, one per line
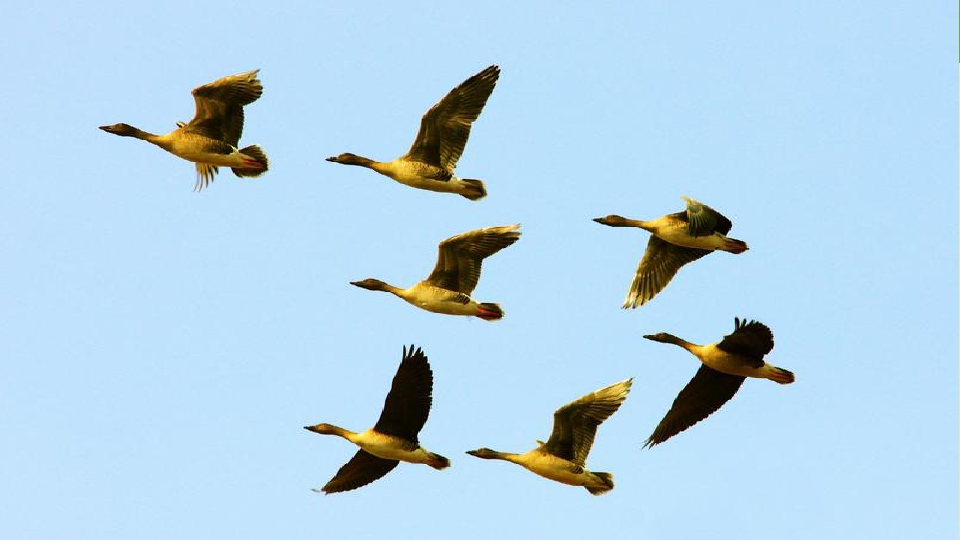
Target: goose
444 130
676 239
563 457
447 289
394 437
725 366
210 139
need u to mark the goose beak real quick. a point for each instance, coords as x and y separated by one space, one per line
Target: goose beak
332 158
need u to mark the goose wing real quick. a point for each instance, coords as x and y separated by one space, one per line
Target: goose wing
460 257
362 469
220 104
575 424
407 406
703 395
705 220
657 267
444 129
751 339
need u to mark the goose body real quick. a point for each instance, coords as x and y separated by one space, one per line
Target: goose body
394 437
676 239
447 289
444 130
563 457
210 140
724 367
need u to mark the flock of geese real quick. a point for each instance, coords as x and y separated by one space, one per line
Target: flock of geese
210 140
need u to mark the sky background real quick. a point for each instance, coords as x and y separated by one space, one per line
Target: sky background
162 349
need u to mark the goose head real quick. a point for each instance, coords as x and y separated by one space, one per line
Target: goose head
371 284
484 453
123 130
613 220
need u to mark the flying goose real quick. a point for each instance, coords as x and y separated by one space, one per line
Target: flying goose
210 139
444 130
676 240
563 457
394 437
447 289
725 365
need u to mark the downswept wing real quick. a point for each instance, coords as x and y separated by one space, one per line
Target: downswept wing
362 469
575 424
659 264
445 128
219 113
461 257
407 406
706 392
751 339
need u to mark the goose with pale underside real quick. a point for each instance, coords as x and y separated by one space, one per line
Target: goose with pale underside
394 437
675 240
447 289
724 367
563 457
210 140
444 130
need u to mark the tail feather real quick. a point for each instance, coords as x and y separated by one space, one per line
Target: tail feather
734 246
780 375
604 477
489 311
438 462
255 153
473 189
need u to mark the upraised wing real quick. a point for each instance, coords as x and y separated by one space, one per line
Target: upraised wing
219 113
445 128
407 406
461 257
575 424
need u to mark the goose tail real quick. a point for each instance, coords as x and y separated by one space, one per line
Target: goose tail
779 375
259 160
607 480
734 246
489 311
438 462
473 189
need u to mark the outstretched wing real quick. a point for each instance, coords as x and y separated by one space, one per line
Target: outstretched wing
362 469
445 128
220 104
703 395
657 267
751 339
575 424
407 406
461 257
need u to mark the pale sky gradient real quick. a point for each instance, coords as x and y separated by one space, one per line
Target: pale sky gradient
162 349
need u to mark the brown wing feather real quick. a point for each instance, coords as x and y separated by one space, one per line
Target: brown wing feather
460 257
659 264
575 424
751 339
219 113
701 397
445 128
407 406
362 469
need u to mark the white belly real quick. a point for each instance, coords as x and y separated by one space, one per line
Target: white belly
386 447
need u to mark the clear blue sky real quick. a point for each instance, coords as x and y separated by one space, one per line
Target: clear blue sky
162 349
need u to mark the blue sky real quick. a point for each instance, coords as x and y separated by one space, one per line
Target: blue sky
163 349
